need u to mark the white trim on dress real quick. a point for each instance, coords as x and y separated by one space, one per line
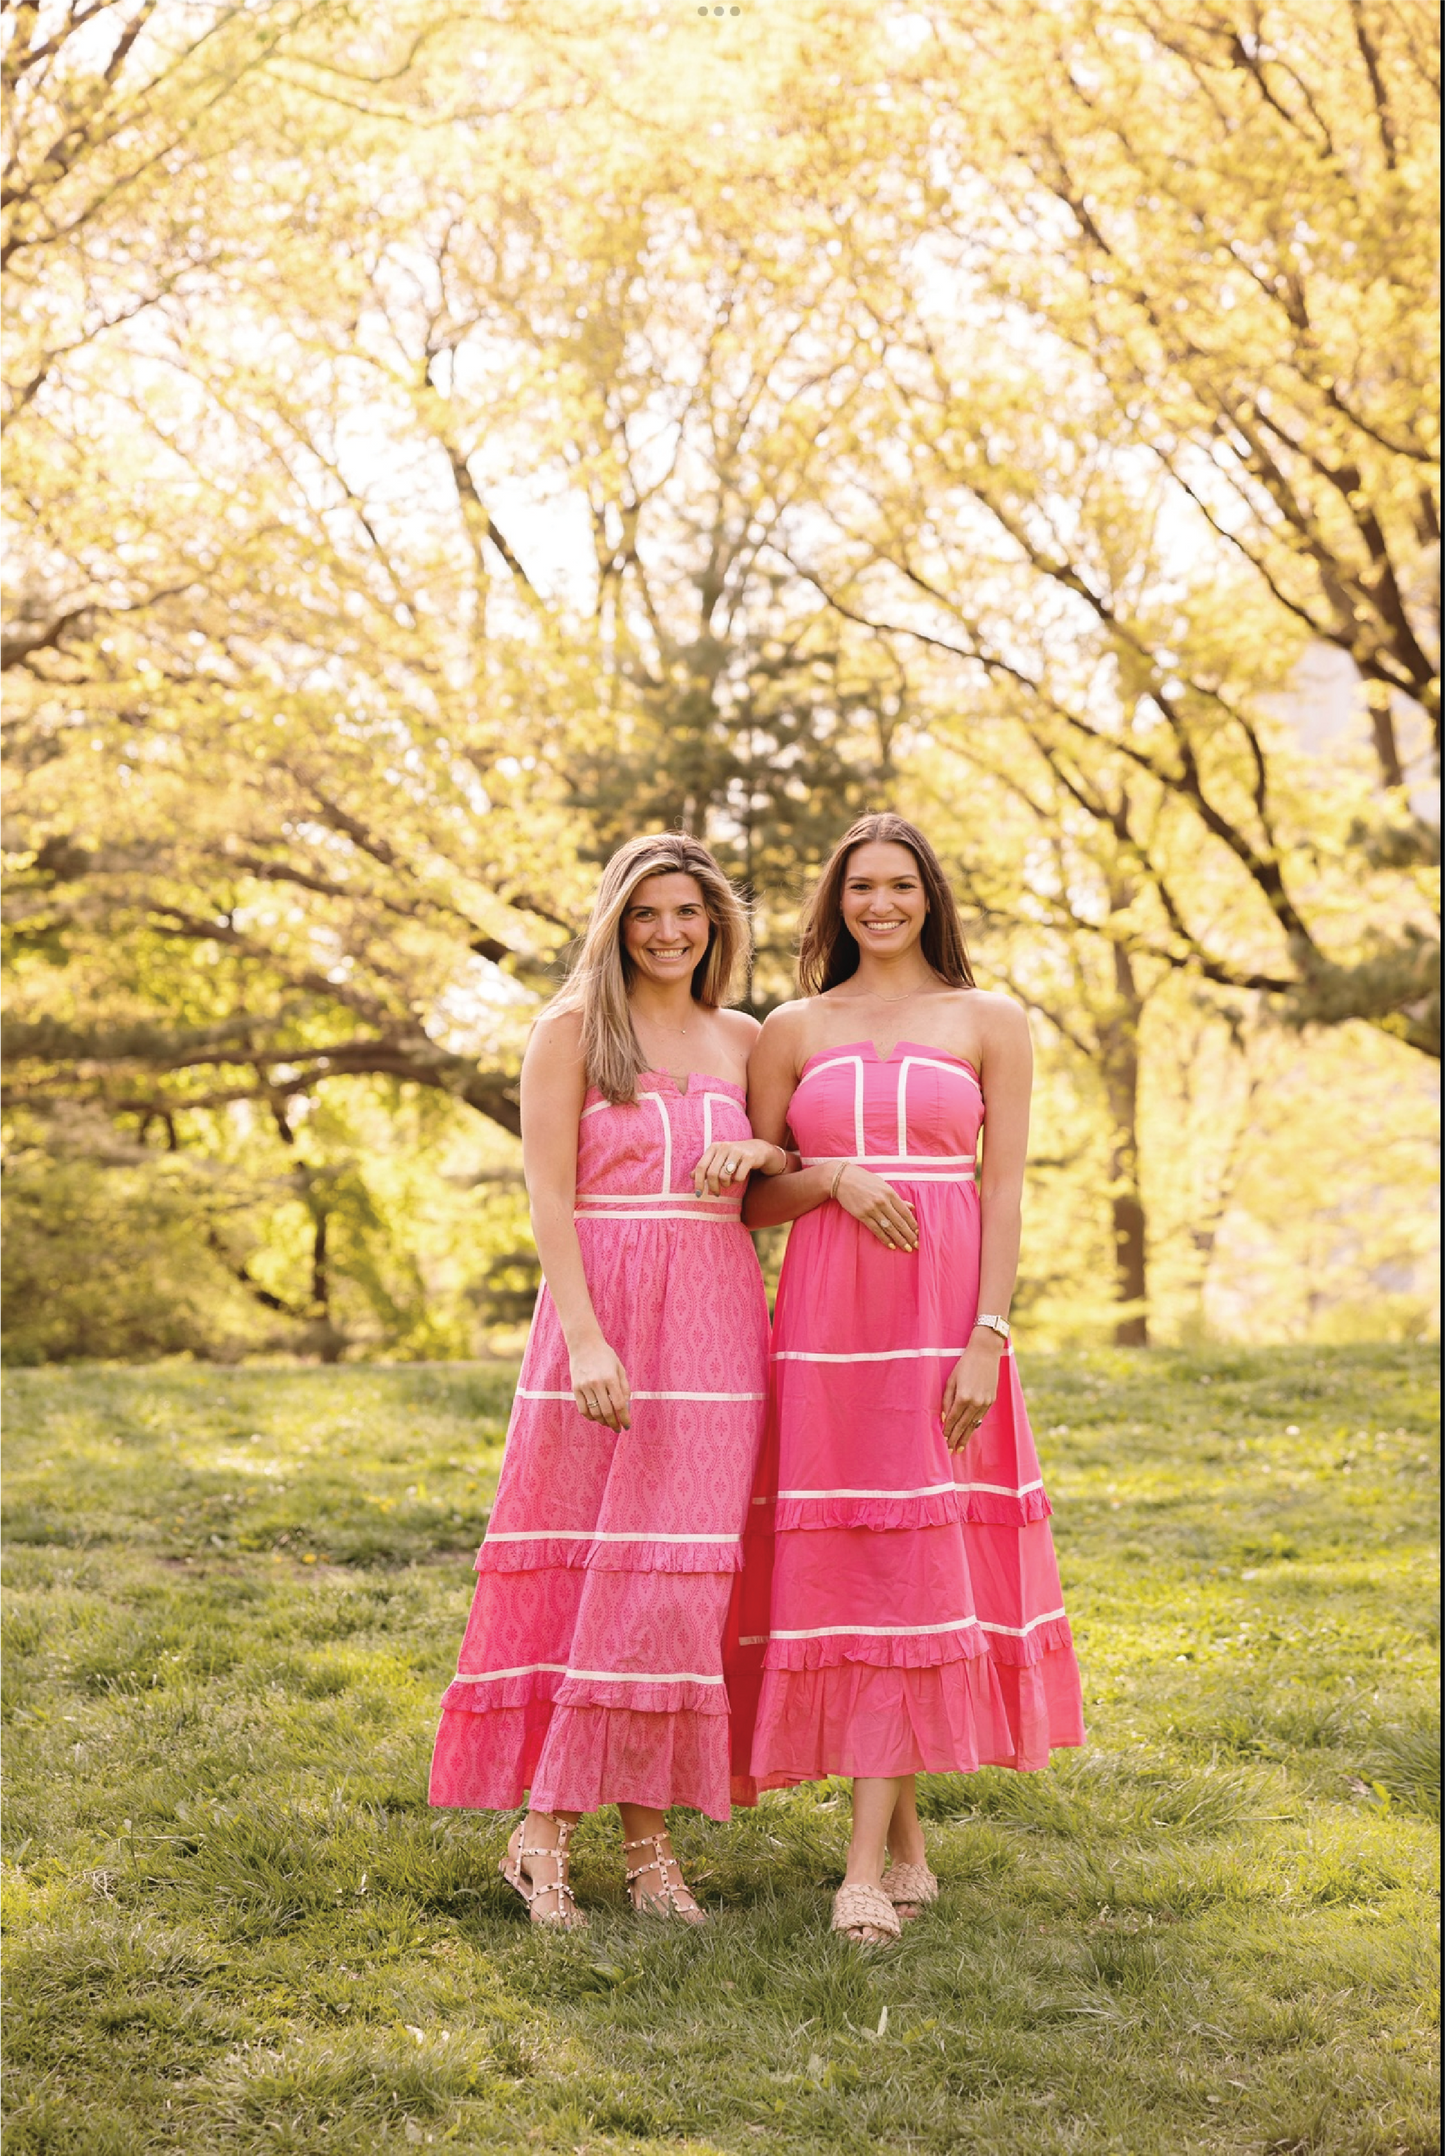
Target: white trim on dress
590 1676
882 1355
933 1489
528 1392
590 1534
666 1190
866 1631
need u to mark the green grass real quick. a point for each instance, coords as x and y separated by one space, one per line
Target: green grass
234 1600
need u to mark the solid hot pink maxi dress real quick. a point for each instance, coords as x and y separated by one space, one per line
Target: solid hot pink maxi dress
899 1608
591 1669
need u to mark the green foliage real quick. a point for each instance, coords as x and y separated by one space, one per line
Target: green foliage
110 1260
993 407
234 1925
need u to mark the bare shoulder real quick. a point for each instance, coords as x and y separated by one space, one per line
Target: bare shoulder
788 1023
1001 1022
741 1030
788 1014
556 1039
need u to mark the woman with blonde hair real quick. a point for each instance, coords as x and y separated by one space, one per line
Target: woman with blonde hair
591 1668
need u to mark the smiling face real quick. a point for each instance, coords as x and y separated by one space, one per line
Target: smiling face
883 901
665 928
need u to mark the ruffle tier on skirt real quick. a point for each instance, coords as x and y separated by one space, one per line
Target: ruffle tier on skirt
598 1680
901 1634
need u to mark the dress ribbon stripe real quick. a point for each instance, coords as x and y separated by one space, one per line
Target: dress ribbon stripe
904 1631
661 1105
925 1354
528 1392
866 1631
659 1212
590 1534
588 1676
1022 1631
932 1489
892 1160
650 1197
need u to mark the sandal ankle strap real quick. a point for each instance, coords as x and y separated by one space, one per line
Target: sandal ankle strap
659 1861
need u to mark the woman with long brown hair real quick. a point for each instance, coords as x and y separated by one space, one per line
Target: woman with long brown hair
591 1669
899 1608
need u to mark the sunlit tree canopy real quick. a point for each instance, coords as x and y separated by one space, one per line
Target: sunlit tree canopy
442 441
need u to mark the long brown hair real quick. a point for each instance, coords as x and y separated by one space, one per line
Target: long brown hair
827 953
598 983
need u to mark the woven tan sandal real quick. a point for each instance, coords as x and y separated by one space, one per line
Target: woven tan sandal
855 1906
564 1915
665 1864
910 1886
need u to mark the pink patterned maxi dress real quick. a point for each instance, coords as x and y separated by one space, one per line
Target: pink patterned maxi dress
591 1669
899 1607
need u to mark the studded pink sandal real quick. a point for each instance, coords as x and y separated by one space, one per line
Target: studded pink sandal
669 1871
564 1915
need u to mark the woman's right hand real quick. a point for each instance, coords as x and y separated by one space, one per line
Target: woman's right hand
878 1206
599 1385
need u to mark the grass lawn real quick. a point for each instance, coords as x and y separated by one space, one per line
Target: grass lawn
234 1599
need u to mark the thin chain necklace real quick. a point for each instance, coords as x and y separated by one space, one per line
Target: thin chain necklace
876 995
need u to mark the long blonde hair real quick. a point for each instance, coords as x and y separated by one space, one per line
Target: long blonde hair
597 985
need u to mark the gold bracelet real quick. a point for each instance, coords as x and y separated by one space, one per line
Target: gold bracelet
837 1179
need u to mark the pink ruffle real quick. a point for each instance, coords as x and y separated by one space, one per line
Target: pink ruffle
995 1508
485 1760
926 1650
595 1756
665 1556
653 1696
1043 1707
786 1515
862 1719
976 1508
579 1758
543 1555
952 1719
463 1698
1053 1637
547 1552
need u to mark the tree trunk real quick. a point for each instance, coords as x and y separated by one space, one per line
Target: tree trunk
324 1337
320 1278
1119 1047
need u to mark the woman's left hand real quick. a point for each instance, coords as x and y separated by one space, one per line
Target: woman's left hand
727 1165
972 1388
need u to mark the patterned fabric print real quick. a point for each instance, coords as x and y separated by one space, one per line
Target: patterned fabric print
591 1667
899 1607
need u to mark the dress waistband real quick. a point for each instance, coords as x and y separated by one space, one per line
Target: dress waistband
656 1205
903 1167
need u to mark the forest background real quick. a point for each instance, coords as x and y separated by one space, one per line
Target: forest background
442 441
